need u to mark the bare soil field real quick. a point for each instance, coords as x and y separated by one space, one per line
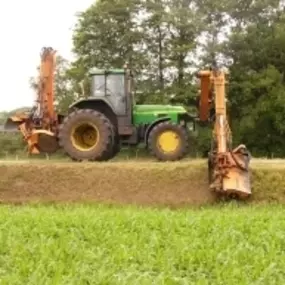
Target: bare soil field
129 182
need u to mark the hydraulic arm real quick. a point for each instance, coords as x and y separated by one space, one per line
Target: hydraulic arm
228 168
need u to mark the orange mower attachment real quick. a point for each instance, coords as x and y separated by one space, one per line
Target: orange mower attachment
228 168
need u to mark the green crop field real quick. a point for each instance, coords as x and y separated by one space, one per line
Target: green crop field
93 244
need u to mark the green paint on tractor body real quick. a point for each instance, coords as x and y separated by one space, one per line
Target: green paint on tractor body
146 114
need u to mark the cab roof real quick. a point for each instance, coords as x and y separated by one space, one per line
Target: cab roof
97 71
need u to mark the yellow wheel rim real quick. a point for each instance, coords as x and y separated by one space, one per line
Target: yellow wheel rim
85 136
168 141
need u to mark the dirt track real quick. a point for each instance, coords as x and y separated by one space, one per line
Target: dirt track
142 183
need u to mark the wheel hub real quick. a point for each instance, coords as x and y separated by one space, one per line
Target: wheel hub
85 136
168 141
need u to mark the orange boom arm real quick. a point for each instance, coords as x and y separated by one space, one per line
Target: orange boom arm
46 88
228 168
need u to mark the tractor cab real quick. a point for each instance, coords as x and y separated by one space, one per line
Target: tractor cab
114 85
108 82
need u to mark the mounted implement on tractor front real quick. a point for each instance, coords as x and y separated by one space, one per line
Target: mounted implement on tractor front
39 126
228 168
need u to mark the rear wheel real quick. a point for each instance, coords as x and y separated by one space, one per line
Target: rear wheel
114 146
86 134
168 141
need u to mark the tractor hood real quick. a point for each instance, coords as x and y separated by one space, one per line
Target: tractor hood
147 114
159 109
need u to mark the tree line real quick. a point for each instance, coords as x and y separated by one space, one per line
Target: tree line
166 42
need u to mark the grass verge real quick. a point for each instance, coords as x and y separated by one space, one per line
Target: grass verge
129 182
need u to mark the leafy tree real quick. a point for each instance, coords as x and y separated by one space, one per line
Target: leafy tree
257 85
65 94
106 37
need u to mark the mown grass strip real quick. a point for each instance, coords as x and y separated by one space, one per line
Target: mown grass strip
144 183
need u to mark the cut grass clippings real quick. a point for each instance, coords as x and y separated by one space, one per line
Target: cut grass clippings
77 245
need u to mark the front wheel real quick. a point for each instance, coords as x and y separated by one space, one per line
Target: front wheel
168 141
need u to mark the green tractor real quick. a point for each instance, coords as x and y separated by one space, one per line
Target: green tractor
96 127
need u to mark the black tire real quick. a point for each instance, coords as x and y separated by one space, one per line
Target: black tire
81 117
117 146
114 147
180 151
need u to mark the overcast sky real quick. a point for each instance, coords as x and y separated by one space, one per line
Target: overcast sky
25 27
